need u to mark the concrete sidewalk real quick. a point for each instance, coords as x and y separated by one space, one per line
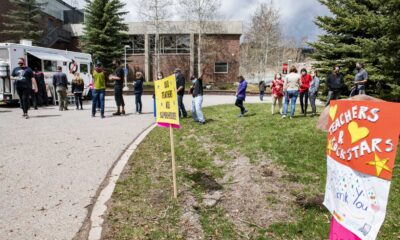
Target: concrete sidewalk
52 164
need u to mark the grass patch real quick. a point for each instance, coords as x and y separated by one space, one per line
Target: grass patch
142 207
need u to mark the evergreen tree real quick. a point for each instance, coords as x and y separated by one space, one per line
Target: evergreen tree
24 21
104 35
361 31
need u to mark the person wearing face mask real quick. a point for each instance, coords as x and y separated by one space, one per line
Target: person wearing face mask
361 78
305 85
24 78
160 76
197 93
335 84
313 91
118 78
277 93
180 90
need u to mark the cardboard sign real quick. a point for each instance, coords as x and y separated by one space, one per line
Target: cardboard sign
166 102
364 135
362 145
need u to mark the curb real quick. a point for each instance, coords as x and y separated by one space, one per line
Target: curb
100 206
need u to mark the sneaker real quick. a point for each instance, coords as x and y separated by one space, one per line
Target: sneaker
202 123
26 117
246 111
283 116
66 109
116 114
102 116
93 116
123 112
81 108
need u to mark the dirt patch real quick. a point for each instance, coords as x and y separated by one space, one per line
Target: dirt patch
205 181
190 225
256 195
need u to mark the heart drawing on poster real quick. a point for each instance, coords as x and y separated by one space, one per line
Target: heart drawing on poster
357 133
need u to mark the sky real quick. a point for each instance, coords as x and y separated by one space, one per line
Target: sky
296 15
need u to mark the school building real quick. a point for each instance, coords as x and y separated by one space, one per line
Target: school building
178 41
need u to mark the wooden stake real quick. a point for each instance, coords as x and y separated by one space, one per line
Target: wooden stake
171 134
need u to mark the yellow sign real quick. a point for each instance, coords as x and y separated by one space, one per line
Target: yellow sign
166 101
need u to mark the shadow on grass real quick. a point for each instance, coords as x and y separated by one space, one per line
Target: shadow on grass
205 181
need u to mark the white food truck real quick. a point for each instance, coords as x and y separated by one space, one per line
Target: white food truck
43 59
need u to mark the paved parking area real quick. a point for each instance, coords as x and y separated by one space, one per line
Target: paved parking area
52 164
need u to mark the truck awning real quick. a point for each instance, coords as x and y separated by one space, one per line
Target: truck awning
49 56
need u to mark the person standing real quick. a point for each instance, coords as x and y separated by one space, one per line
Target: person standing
197 93
77 89
261 86
291 87
305 85
118 78
60 83
34 93
138 90
361 78
99 86
241 95
335 84
313 91
43 99
277 92
180 90
23 77
160 76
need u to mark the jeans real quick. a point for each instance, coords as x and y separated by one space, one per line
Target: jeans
35 99
197 112
62 98
98 95
304 101
78 99
332 95
182 110
239 104
261 95
98 100
361 89
292 96
23 94
138 102
313 98
274 100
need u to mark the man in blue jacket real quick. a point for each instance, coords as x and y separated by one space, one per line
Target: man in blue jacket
241 95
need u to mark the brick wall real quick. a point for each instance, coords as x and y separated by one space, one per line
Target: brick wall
135 64
221 48
169 62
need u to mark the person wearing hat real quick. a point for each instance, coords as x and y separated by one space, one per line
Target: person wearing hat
180 90
99 85
24 78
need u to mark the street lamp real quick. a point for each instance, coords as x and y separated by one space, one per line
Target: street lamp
126 70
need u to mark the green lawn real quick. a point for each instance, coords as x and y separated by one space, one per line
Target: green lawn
142 207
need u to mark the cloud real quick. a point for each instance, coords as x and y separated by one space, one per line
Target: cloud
296 16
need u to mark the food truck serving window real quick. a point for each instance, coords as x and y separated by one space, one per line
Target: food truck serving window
50 66
84 68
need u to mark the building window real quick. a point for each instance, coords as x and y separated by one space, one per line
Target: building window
221 67
50 66
138 44
171 44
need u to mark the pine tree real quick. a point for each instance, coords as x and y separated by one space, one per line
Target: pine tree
359 31
24 21
104 29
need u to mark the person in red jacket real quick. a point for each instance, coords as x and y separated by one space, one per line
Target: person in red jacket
277 92
305 85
